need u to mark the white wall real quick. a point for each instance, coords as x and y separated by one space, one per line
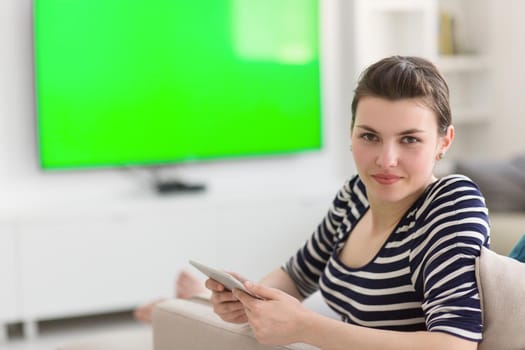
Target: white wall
23 186
507 135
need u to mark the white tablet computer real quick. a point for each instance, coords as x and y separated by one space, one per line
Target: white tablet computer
223 277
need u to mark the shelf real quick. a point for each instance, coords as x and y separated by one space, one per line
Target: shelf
412 27
396 5
462 63
386 27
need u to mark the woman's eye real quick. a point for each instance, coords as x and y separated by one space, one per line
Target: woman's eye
410 139
369 137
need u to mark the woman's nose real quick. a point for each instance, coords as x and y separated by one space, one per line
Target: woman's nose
387 157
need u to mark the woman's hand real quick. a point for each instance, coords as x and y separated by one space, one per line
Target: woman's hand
228 307
277 318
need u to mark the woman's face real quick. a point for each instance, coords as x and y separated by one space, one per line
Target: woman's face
395 145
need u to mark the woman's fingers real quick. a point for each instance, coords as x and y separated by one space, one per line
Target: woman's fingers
225 304
222 297
214 286
232 311
239 317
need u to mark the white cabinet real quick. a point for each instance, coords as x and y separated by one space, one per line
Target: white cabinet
8 301
412 27
90 264
88 259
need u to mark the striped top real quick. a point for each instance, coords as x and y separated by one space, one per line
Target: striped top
423 276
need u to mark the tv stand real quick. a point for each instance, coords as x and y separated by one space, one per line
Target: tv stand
174 186
170 185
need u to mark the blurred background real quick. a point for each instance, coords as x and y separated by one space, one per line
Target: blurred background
97 240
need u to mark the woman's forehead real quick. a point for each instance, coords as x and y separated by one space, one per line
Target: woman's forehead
379 113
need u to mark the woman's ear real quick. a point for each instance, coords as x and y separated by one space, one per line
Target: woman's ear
446 140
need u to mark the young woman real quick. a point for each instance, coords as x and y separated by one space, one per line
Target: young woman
395 254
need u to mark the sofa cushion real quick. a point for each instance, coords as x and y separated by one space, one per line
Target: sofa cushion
501 281
502 182
192 324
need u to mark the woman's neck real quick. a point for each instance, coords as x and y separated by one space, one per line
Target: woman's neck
386 215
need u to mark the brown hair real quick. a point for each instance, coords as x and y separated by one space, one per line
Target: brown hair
400 77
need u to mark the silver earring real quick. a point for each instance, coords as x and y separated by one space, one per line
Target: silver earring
440 155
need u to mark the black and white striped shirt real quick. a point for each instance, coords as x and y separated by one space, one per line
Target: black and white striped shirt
422 278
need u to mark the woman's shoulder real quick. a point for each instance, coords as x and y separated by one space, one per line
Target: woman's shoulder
456 179
453 184
453 207
450 194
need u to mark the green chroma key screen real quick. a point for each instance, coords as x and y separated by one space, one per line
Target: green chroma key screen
131 82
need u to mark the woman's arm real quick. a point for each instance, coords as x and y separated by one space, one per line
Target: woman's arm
333 334
280 319
281 280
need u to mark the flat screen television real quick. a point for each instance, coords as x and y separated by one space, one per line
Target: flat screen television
152 82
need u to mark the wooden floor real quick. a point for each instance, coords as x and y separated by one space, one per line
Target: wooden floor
53 334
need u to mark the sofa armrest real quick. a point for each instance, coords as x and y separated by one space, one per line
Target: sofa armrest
181 324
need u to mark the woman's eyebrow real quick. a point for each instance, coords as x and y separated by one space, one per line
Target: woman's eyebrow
411 131
366 127
404 132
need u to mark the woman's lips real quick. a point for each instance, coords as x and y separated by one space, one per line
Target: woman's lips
386 179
